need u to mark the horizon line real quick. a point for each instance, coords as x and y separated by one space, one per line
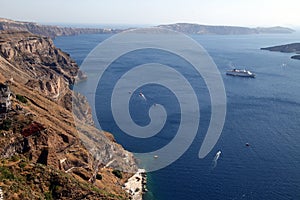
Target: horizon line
138 25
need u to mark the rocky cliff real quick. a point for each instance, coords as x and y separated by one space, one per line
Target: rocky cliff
49 31
188 28
37 63
42 149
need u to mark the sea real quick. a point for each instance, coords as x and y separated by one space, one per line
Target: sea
263 112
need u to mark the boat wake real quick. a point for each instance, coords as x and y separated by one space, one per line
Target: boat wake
142 96
215 160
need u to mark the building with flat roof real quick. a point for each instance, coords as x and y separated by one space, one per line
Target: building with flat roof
5 95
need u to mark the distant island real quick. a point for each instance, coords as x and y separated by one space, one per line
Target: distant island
188 28
287 48
49 31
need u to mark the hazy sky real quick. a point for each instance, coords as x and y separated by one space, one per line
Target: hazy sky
153 12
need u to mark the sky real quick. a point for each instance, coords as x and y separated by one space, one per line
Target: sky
153 12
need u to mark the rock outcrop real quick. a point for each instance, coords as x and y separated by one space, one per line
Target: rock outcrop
40 132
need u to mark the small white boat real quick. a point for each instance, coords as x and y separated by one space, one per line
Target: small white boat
143 96
240 72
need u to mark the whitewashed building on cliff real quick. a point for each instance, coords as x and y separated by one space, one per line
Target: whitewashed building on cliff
1 194
5 95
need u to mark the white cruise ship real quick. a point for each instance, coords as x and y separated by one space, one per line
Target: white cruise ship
240 72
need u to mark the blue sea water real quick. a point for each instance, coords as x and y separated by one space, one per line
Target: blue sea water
264 112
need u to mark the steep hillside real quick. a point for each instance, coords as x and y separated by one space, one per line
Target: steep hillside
42 150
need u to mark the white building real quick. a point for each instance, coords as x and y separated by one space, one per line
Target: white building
5 95
1 194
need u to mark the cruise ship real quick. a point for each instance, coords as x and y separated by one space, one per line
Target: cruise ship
240 72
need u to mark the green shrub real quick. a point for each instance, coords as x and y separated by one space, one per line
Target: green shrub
15 158
29 177
6 124
21 98
22 165
48 196
99 176
117 173
6 174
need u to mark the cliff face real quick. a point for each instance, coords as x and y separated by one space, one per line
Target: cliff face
39 131
34 61
49 31
38 60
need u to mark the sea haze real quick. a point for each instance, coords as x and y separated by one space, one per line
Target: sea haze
264 112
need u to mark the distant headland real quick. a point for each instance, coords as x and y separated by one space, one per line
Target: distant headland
224 30
287 48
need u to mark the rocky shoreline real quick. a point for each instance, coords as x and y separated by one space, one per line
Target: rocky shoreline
136 185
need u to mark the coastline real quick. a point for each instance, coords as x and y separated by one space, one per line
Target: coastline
136 185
